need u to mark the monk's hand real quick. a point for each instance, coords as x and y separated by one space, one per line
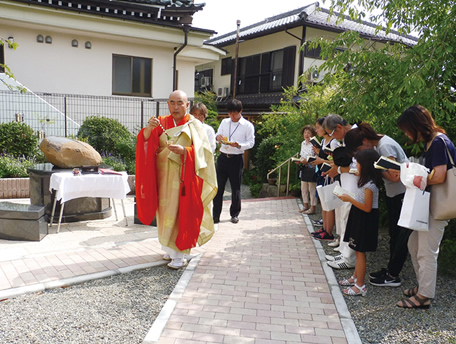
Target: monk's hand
153 122
178 149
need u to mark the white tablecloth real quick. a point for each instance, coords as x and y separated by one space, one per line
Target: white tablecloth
68 186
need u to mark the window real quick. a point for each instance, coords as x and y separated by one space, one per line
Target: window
131 76
226 66
203 80
267 72
276 70
312 53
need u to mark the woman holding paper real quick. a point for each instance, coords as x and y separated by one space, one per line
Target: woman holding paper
418 125
308 182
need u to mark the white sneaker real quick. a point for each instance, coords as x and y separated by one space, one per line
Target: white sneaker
340 264
333 258
337 249
335 243
166 256
178 263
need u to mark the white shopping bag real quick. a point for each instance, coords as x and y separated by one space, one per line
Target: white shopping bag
415 210
328 199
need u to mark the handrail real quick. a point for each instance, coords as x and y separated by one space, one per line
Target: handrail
288 161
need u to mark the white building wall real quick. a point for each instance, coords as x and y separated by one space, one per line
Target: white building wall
61 68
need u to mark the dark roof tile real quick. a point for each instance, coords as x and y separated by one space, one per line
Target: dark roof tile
311 15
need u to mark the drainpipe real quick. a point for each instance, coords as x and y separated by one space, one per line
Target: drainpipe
186 29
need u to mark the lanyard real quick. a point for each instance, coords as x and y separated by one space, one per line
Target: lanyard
230 134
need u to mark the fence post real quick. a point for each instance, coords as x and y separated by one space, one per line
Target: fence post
142 113
65 112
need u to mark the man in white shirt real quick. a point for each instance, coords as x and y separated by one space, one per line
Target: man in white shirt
236 135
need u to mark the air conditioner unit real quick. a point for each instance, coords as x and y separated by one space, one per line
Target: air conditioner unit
205 81
223 92
315 76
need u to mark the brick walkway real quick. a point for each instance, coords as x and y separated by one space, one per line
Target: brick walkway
259 281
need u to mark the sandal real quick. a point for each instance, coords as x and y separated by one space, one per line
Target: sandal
408 303
411 292
346 281
362 291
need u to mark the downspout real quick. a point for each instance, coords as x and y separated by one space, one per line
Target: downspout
302 40
186 29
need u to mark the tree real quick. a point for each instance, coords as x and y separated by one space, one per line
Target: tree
278 134
375 82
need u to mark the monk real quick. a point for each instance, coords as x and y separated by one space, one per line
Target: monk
175 180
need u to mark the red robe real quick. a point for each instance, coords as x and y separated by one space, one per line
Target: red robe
190 211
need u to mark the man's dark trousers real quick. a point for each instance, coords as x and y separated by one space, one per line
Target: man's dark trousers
229 167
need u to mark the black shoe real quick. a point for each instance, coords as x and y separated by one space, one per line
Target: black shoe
216 220
379 274
234 219
386 281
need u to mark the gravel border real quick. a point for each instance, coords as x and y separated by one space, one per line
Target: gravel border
379 320
117 309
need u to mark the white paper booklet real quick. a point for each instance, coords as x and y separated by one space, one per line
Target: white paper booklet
338 191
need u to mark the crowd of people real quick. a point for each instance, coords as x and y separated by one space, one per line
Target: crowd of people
179 183
353 150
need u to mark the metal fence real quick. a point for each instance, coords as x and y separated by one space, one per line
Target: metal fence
62 114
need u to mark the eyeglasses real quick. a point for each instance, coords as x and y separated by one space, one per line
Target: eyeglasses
332 132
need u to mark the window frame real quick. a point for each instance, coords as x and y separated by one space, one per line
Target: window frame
145 83
227 66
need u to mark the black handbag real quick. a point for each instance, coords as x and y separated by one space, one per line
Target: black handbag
308 174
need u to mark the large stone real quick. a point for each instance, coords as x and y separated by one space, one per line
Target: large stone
68 153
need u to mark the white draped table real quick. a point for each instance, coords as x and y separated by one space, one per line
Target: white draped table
68 186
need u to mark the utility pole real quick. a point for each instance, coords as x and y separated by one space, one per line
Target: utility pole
238 23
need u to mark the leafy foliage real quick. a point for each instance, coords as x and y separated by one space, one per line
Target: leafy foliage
279 133
376 82
114 162
18 139
12 167
104 134
127 153
5 69
209 99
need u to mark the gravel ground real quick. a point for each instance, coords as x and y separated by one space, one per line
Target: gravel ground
379 320
122 308
118 309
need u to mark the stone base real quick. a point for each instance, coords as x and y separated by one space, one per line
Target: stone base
137 222
79 209
22 222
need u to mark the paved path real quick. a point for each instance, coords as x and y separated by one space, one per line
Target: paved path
259 281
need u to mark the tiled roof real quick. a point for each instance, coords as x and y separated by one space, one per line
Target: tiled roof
163 12
313 16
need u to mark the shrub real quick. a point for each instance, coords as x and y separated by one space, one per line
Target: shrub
114 161
264 156
12 167
103 134
18 140
448 250
127 153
